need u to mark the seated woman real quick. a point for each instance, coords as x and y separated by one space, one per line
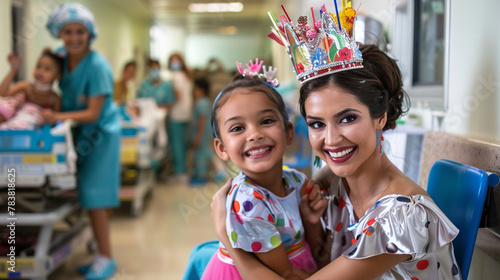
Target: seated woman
378 224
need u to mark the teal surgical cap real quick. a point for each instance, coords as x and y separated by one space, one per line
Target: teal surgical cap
71 13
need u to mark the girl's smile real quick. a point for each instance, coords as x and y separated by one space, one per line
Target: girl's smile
258 151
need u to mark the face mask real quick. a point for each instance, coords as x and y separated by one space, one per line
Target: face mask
42 87
154 73
175 66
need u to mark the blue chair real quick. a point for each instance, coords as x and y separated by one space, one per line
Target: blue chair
199 258
302 158
460 192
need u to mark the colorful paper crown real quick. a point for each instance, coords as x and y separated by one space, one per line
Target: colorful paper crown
253 71
326 47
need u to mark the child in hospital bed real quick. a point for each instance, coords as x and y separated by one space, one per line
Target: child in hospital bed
21 103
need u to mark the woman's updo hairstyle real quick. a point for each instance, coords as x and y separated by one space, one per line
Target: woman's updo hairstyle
378 85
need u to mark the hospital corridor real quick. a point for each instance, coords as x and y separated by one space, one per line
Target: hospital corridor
249 139
164 234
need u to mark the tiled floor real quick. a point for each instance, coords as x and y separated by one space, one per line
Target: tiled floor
157 244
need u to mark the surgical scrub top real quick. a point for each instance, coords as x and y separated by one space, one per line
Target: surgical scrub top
162 93
97 143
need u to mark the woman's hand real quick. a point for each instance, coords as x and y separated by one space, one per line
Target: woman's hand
49 116
312 205
218 206
195 143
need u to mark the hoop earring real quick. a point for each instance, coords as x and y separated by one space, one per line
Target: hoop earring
317 162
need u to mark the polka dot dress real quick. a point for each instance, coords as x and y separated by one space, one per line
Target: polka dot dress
395 224
258 221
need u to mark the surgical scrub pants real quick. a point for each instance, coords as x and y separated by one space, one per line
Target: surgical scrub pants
177 134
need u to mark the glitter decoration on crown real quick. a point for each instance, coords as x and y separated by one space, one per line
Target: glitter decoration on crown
253 71
326 47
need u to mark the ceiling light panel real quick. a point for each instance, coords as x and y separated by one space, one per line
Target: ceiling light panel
234 7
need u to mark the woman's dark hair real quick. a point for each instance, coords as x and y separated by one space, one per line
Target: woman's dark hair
378 85
253 85
183 62
203 84
153 61
130 63
59 61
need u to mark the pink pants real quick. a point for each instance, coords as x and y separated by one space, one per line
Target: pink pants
9 105
27 117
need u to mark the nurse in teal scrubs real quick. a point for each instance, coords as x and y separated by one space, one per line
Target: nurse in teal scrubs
87 88
154 87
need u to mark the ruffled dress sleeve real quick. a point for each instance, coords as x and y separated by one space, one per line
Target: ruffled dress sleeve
398 224
250 224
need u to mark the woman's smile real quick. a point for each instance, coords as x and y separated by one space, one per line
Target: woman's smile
75 45
340 155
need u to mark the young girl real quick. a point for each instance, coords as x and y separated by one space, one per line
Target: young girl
200 132
21 109
87 88
263 204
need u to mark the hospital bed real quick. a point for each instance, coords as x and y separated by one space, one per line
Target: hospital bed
143 145
37 195
40 157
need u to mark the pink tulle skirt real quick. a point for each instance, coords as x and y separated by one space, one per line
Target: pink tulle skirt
221 267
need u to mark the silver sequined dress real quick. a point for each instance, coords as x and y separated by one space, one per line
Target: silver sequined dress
395 224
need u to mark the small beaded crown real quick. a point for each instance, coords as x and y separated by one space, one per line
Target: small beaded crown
325 48
253 71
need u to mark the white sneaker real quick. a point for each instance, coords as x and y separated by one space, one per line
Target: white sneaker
101 268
